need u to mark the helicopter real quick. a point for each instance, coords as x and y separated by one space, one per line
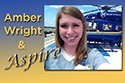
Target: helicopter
104 26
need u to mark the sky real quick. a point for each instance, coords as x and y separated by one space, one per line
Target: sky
50 12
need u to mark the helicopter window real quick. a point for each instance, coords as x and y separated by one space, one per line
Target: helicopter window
117 27
107 26
92 25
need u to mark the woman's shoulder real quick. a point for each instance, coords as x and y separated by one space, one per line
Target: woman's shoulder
95 58
94 52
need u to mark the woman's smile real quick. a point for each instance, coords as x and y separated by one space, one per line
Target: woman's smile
72 38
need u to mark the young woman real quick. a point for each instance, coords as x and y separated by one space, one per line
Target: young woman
70 37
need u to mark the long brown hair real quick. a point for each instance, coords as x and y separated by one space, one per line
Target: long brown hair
82 46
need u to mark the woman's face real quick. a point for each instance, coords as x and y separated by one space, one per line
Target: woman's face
70 30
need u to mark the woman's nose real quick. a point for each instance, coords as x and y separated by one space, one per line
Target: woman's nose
70 30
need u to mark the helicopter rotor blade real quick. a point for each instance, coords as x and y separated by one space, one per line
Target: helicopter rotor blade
115 10
91 11
104 8
115 6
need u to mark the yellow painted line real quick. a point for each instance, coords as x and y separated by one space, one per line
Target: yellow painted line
49 41
103 32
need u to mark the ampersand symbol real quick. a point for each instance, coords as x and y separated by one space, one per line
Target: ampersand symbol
21 45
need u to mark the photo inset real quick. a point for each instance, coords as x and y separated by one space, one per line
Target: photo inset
83 37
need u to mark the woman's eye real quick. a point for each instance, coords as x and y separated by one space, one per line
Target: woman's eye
75 25
63 26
